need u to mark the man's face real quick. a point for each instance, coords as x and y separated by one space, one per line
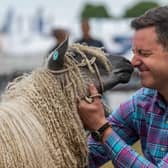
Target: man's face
85 28
150 58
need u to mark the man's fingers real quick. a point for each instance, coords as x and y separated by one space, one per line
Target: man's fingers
94 92
89 99
93 89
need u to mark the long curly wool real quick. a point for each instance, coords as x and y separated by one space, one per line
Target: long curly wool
39 123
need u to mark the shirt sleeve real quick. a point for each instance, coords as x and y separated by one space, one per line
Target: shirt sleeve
121 154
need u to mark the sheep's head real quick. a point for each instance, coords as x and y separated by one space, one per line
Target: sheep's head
119 70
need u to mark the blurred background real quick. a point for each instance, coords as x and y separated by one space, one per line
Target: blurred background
30 30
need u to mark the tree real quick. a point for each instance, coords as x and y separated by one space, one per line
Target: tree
140 8
94 11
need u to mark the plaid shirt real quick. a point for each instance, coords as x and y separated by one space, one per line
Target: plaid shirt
144 117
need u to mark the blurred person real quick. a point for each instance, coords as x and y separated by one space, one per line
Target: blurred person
142 117
86 36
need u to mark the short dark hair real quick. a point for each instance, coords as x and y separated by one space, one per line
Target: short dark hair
157 17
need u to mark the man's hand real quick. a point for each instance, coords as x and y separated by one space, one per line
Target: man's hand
92 114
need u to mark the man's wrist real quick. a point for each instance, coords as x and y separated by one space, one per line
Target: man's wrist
99 134
106 133
100 124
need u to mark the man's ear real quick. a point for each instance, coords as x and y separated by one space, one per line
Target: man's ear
56 58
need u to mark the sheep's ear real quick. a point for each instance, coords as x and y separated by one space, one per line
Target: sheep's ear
56 58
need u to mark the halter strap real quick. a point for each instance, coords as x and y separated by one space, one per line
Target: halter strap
84 62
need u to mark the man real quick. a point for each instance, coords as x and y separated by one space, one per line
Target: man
86 36
145 115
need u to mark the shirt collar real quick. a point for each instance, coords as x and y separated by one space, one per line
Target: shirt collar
159 99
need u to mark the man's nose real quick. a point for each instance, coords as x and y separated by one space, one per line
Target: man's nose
136 61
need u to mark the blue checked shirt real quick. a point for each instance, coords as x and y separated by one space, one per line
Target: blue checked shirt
144 116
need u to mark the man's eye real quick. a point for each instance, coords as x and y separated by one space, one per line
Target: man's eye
143 53
146 54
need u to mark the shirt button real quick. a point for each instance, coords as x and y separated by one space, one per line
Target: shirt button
162 149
